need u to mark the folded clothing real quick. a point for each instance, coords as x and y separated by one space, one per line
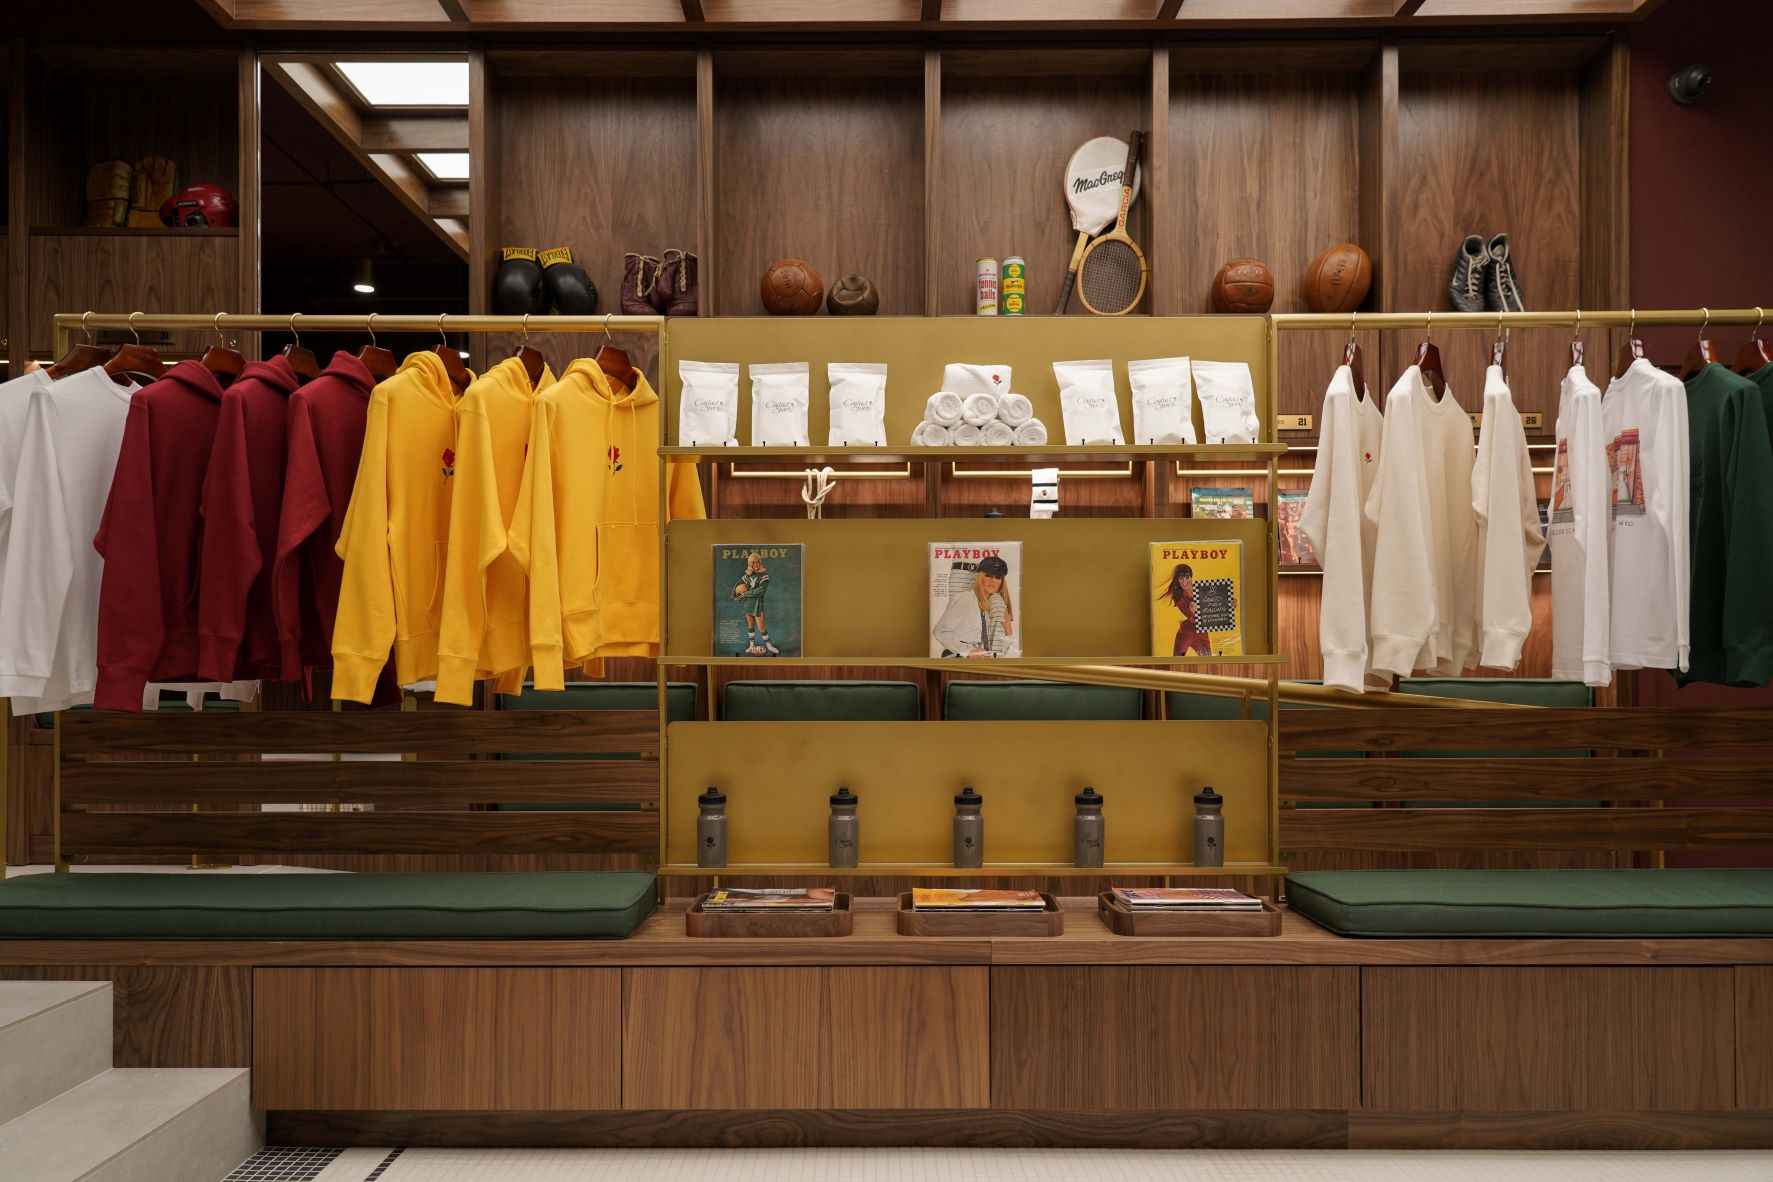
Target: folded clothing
1014 409
943 408
978 409
997 433
928 434
967 435
1033 433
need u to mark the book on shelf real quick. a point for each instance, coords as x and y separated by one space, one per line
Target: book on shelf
1221 502
960 899
757 599
1186 899
1295 547
1196 598
770 899
975 599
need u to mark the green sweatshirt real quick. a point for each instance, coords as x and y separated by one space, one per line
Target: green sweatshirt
1731 517
1763 377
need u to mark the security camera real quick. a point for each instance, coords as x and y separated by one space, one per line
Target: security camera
1686 84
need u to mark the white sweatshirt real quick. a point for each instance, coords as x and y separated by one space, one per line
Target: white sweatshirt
1339 532
1424 562
15 404
1509 537
1581 599
1644 420
49 598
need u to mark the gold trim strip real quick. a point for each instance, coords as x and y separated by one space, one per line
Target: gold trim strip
959 473
735 473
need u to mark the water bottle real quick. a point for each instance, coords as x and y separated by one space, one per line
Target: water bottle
842 831
1087 829
1209 828
969 830
711 828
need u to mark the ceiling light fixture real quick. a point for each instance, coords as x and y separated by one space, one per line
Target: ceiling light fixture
445 166
363 277
408 84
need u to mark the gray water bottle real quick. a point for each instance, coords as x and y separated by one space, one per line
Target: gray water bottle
1209 828
843 830
711 828
969 830
1087 829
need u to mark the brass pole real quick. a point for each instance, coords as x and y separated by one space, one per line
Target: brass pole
323 323
1222 686
1285 321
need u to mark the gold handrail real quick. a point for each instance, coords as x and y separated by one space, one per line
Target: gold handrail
1223 686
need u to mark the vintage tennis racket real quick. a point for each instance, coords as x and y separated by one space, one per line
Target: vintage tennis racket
1092 184
1112 276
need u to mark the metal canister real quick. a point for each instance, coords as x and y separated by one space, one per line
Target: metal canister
1087 833
1014 285
985 287
843 836
1209 828
711 828
969 829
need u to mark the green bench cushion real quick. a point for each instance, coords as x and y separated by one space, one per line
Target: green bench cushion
1039 701
548 905
1402 904
821 701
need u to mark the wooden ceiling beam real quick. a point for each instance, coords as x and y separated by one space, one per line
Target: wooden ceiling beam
1408 8
454 10
449 201
692 11
931 10
1168 9
414 133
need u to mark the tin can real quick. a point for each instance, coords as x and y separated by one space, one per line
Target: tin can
985 288
1014 285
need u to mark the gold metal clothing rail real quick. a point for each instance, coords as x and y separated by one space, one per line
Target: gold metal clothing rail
367 322
1222 686
1574 318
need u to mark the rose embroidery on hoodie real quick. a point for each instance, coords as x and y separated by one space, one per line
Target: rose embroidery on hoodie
449 462
615 459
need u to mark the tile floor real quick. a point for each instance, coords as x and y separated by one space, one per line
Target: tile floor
986 1165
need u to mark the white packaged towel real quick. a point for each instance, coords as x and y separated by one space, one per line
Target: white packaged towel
928 434
1088 402
967 435
943 409
1227 401
858 404
708 409
1033 433
997 433
966 379
779 397
1014 409
1163 400
978 409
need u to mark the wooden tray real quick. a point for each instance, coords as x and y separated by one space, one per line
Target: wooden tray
1049 922
839 921
1124 921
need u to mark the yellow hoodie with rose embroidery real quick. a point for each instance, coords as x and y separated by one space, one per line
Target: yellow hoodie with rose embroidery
587 523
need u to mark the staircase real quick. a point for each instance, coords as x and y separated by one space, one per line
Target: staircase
67 1115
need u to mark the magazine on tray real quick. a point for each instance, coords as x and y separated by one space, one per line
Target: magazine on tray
975 599
1197 598
1186 899
757 599
957 899
774 899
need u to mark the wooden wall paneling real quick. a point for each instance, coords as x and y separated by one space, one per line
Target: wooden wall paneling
1525 1039
147 272
1381 186
167 1015
1406 729
523 1039
909 1037
1162 245
18 172
486 187
1694 827
707 178
1754 1037
1605 114
250 255
932 163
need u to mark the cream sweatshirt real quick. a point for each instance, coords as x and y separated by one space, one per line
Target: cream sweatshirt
1509 539
1340 534
1580 595
1644 420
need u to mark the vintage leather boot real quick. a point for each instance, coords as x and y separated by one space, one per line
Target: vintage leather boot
640 275
678 280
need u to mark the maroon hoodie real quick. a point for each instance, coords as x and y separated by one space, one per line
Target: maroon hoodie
237 634
326 423
151 537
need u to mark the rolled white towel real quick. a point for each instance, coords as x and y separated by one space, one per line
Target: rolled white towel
997 433
1033 433
928 434
979 409
1014 409
943 409
967 435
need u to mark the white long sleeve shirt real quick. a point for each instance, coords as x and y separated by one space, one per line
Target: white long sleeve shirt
1581 599
1348 450
1644 420
1509 537
15 405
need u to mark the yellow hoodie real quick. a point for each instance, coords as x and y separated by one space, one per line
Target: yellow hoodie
587 523
485 625
396 532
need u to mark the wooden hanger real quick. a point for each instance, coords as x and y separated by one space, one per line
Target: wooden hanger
533 363
302 360
1351 357
225 363
1701 354
1632 350
135 359
379 361
1428 360
613 362
452 360
1754 354
82 356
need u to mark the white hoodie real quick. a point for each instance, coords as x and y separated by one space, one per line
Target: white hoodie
1347 463
1644 419
1509 537
1581 600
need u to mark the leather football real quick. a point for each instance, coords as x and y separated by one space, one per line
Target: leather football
1338 279
853 296
1243 285
791 287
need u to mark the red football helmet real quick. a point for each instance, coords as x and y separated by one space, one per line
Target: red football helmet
199 205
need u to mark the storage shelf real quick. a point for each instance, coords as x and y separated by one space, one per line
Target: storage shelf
1034 455
993 870
135 231
956 665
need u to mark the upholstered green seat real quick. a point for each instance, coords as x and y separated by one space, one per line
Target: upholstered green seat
821 701
1039 701
1524 903
551 905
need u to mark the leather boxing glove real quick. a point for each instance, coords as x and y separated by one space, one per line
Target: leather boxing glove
570 291
517 284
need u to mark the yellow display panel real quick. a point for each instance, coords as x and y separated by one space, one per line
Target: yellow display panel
777 777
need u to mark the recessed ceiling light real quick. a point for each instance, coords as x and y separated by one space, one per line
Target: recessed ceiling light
363 277
445 166
409 84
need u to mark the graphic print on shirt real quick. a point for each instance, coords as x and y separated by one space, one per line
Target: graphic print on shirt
449 462
1625 474
615 460
1562 509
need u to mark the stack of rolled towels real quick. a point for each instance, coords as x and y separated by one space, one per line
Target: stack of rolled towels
978 420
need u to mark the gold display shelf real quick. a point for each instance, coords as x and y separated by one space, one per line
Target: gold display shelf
990 870
1051 454
953 665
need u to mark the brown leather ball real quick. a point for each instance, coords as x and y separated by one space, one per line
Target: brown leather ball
791 287
1243 285
853 296
1338 279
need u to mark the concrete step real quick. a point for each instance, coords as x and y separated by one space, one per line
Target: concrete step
54 1035
152 1124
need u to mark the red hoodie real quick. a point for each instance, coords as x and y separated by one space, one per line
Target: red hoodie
151 537
237 634
326 423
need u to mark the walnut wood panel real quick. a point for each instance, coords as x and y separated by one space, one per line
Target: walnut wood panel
442 1038
435 784
1754 1037
167 1016
1612 829
1406 729
157 272
1606 182
909 1038
106 834
1136 1038
1523 779
1561 1130
1486 1040
1000 187
439 732
828 169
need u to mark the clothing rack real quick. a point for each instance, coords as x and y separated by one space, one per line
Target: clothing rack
1575 318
